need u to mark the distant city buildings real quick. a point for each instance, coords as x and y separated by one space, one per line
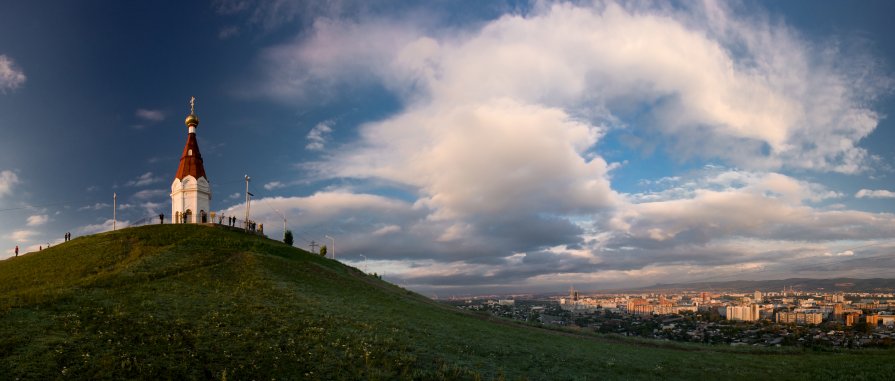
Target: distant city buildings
855 319
799 318
743 313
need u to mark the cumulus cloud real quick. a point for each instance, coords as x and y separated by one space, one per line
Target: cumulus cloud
37 220
537 167
101 227
271 186
150 194
143 180
385 230
11 77
150 115
22 235
497 140
880 193
8 179
96 206
318 135
714 84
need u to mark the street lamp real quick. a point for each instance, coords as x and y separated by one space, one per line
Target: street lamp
247 203
334 245
284 222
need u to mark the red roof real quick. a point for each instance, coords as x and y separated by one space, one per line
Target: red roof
191 160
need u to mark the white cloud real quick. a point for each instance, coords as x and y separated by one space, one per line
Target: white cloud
150 193
8 179
37 220
96 206
742 212
881 193
234 196
718 178
143 180
318 135
101 227
386 230
451 155
846 253
11 77
22 235
323 205
497 141
150 115
271 186
153 208
712 83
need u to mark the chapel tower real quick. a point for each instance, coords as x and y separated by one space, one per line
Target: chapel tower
190 192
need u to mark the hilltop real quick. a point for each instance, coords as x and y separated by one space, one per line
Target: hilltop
197 302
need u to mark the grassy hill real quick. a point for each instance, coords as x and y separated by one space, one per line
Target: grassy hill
194 302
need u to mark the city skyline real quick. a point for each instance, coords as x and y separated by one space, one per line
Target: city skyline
462 147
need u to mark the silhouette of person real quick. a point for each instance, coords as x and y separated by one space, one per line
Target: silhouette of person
40 248
161 218
17 250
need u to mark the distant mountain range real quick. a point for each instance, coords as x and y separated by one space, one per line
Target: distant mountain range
797 284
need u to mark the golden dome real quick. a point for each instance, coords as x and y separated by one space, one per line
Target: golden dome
192 120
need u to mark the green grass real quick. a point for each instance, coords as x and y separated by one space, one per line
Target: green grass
195 302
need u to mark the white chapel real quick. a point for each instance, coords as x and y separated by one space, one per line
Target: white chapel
190 191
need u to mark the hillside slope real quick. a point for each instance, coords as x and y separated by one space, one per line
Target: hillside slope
195 302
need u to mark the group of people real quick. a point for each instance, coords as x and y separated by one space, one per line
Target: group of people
67 237
231 221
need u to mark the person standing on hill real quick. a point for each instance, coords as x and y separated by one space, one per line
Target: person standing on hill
17 250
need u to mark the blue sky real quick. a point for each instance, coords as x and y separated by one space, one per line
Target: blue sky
471 147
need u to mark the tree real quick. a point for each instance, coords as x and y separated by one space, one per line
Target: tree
323 251
287 238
